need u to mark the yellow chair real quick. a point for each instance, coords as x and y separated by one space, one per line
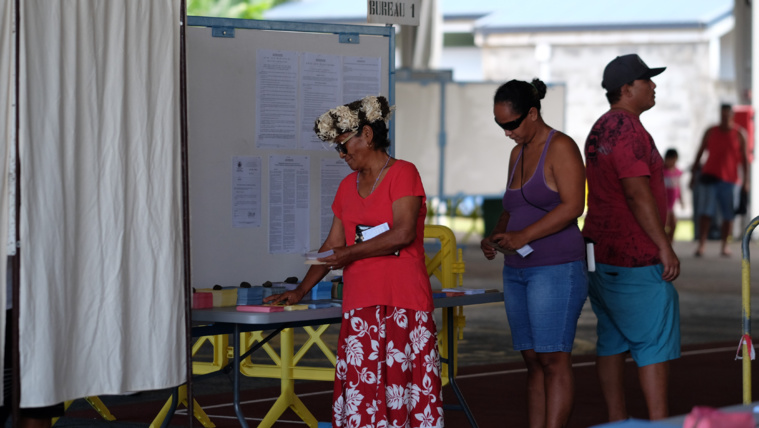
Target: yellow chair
447 265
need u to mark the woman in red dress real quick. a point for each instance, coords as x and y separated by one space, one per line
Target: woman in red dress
388 367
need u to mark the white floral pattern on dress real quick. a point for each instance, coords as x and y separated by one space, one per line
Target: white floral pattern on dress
397 382
432 363
419 337
354 351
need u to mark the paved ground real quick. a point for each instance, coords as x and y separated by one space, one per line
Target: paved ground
710 304
710 301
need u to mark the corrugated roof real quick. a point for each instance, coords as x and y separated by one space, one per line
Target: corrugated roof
536 15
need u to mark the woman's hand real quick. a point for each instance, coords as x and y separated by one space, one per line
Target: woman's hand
510 241
288 297
340 258
488 249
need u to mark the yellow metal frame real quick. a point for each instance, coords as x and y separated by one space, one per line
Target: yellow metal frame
96 404
220 344
200 415
446 265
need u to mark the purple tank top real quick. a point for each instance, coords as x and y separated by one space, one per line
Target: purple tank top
564 246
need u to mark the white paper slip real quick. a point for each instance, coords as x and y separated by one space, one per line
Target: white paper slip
591 256
525 251
376 230
312 256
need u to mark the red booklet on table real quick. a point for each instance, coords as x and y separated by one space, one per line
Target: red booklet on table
261 308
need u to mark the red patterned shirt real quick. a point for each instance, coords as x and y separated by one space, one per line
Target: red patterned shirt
619 147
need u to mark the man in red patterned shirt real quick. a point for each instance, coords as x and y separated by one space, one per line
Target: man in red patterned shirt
630 290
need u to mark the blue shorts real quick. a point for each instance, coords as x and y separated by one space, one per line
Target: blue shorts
720 195
637 311
543 304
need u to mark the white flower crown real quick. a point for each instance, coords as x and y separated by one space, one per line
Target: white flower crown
347 118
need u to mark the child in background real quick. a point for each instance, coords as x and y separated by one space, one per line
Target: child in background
672 184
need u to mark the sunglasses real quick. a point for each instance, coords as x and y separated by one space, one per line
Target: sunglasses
340 147
514 124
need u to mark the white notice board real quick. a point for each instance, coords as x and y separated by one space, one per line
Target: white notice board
260 183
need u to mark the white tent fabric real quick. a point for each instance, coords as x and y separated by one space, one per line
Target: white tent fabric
7 140
101 243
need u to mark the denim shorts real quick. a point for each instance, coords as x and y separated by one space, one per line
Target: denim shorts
543 304
637 311
722 195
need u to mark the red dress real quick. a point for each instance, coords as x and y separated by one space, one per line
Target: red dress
388 367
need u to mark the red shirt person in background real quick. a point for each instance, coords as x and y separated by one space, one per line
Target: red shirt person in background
726 145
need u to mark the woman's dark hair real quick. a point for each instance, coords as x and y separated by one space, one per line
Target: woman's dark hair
379 128
380 141
521 95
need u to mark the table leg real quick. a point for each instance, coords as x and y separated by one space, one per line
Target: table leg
287 397
451 364
236 377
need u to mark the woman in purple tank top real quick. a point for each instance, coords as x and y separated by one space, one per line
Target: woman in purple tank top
544 274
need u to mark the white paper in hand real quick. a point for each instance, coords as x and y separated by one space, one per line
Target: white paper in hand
312 256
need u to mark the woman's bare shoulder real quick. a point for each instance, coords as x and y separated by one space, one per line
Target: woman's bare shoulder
563 143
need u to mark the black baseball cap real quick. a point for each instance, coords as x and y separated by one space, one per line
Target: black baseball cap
626 68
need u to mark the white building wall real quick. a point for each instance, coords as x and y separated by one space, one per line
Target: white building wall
688 93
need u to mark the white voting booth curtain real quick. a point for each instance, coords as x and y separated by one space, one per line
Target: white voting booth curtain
102 301
7 141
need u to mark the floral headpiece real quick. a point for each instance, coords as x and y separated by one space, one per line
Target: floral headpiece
348 118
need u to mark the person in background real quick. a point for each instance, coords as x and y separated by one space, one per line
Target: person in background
672 184
544 291
726 145
631 289
388 367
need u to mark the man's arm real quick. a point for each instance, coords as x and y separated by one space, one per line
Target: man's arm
643 206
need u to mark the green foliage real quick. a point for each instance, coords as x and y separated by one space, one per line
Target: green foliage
245 9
